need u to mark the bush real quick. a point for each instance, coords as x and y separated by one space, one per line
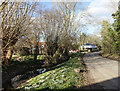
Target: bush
24 51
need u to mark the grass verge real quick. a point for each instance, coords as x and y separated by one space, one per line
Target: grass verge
63 77
111 56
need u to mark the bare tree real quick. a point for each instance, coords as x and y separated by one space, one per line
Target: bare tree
59 29
13 24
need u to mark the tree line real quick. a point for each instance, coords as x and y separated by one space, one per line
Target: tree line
25 24
111 35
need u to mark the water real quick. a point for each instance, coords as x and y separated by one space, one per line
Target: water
20 79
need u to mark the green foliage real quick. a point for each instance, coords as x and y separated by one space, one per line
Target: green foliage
111 35
63 77
27 61
82 39
116 26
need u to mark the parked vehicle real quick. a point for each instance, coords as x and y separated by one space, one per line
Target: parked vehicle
89 46
74 51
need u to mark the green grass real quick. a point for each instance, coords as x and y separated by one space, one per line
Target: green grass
63 77
28 61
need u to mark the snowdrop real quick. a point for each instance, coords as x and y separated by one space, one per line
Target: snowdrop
42 77
62 75
54 71
35 85
48 73
61 70
47 77
41 81
27 87
51 87
29 80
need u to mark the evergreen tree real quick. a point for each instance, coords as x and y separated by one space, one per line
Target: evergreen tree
116 28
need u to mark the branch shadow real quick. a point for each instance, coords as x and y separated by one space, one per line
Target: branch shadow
111 85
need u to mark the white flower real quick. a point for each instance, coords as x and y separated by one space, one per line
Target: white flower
41 81
62 75
51 87
61 70
27 87
47 73
28 81
42 77
54 71
47 77
35 85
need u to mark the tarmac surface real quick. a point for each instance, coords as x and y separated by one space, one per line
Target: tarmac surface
102 71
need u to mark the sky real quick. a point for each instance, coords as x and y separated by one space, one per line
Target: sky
98 9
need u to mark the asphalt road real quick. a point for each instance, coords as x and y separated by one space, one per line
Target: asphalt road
103 71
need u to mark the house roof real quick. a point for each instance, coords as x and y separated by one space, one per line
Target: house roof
42 43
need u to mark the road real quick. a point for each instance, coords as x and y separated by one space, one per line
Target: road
102 71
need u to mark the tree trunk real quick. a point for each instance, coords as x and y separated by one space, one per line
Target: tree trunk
6 56
31 50
36 52
41 50
9 55
4 59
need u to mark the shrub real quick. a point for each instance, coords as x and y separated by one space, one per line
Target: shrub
24 51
